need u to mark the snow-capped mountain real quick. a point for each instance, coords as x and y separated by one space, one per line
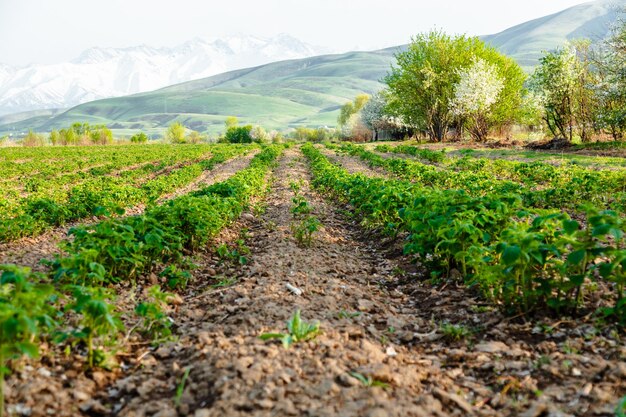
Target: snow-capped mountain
111 72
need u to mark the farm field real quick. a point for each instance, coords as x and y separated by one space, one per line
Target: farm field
389 279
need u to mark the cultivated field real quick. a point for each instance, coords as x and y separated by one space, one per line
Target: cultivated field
329 279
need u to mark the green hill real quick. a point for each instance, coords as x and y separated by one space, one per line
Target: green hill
526 42
302 92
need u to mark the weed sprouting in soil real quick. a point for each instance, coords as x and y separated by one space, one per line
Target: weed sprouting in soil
298 331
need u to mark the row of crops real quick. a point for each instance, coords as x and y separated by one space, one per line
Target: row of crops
73 303
38 203
538 184
505 237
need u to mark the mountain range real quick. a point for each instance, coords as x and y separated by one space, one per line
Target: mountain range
296 92
112 72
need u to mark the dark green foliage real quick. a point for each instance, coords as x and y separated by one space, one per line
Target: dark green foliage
239 134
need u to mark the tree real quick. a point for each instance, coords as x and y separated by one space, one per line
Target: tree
474 95
259 135
351 108
231 121
33 139
377 118
101 135
611 86
194 137
54 137
175 133
239 134
422 85
565 82
139 138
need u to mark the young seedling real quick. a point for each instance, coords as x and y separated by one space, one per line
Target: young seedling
155 322
98 317
348 315
304 229
180 389
368 381
455 331
299 331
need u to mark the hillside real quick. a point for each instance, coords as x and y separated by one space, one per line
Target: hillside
283 94
527 41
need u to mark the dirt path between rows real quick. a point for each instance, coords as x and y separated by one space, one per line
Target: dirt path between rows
353 164
29 251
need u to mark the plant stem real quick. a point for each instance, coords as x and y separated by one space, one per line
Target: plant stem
89 351
2 364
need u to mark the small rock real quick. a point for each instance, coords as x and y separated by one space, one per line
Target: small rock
44 372
175 300
406 336
247 217
99 378
148 386
203 412
167 412
576 372
390 351
373 351
347 380
204 338
378 412
365 305
267 404
455 399
81 396
491 347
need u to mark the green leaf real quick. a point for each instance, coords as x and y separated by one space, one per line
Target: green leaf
511 254
570 226
269 336
576 257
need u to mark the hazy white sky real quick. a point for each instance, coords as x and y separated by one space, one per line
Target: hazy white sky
47 31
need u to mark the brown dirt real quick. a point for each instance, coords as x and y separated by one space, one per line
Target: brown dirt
353 164
378 318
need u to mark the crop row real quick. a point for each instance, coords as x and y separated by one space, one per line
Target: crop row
51 181
527 173
605 191
72 304
523 259
103 195
49 162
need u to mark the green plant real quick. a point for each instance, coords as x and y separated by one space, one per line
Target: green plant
224 282
348 315
26 314
620 410
304 229
180 388
455 332
298 331
300 206
368 381
177 278
98 320
156 325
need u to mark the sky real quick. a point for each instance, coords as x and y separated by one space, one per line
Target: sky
51 31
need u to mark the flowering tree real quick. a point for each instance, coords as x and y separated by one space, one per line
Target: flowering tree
474 95
376 118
